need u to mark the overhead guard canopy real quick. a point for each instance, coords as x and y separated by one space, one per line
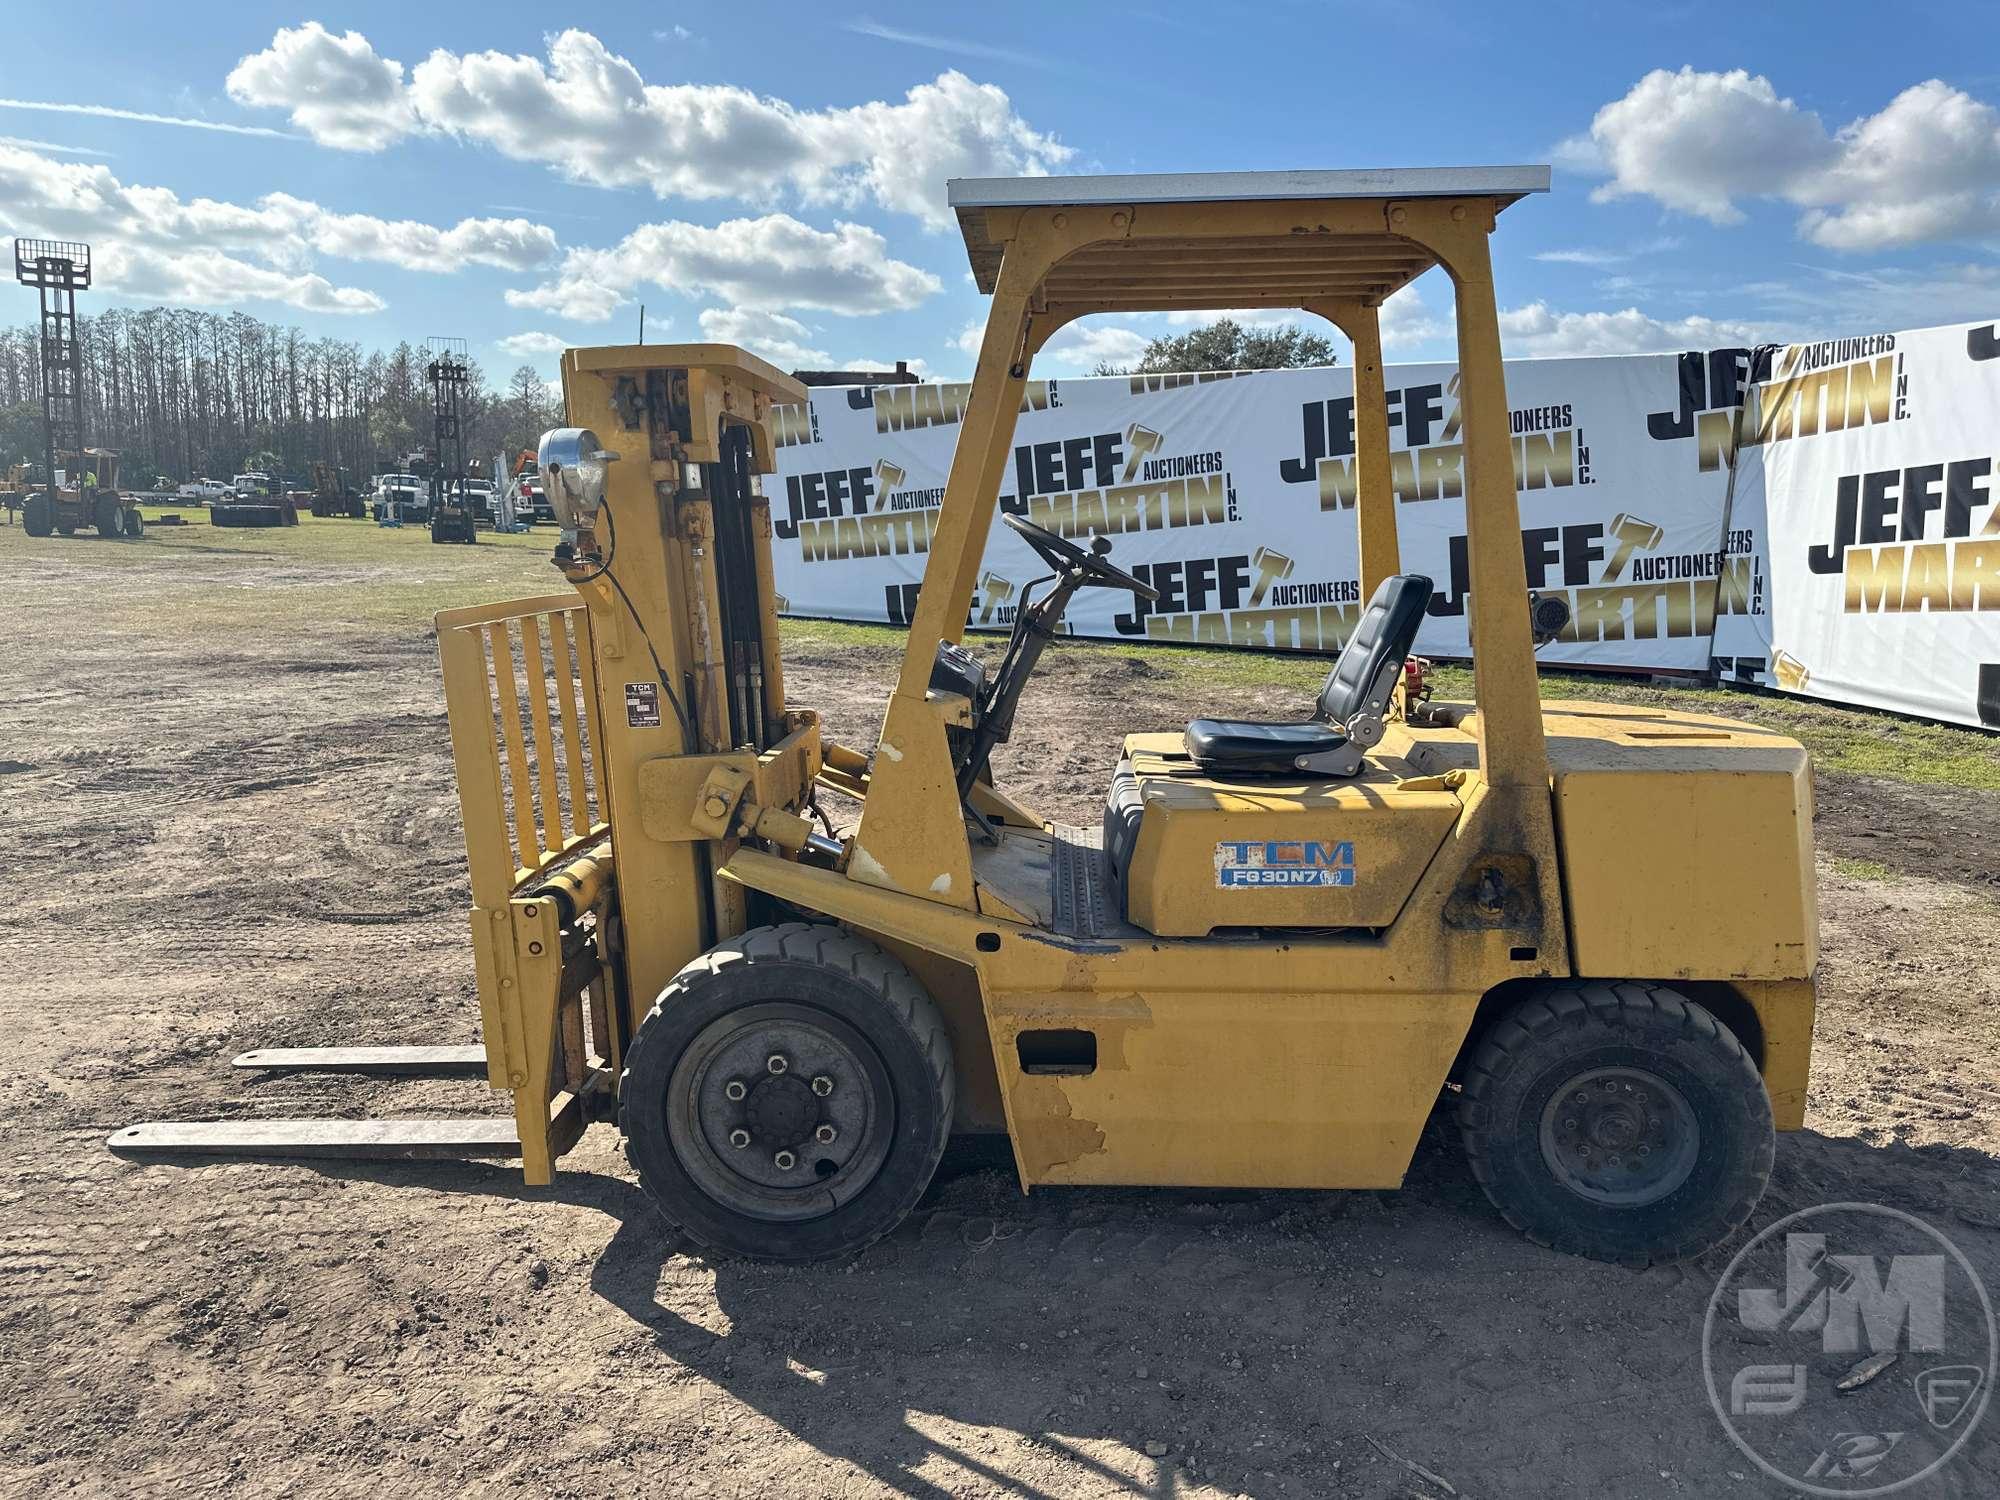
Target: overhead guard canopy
1146 273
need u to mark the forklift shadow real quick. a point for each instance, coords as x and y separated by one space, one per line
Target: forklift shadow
828 1354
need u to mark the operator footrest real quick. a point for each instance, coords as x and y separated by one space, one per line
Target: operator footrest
362 1140
419 1062
1079 882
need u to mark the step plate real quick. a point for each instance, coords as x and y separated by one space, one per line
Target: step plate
365 1140
432 1062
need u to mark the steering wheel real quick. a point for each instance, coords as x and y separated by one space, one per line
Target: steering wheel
1060 553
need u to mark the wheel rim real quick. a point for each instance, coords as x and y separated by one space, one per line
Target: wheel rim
1621 1136
780 1112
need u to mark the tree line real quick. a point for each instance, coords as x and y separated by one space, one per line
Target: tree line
181 394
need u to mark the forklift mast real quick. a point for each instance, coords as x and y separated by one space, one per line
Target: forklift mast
58 270
648 698
451 507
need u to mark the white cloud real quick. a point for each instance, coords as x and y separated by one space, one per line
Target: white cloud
206 277
1405 320
532 345
1698 141
778 338
1582 257
112 112
1925 168
1819 300
1537 330
50 148
766 264
590 114
233 251
338 91
957 45
1085 345
511 244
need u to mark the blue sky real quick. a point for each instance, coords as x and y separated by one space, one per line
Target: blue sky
773 174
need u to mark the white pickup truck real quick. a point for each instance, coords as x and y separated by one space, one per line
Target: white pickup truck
202 491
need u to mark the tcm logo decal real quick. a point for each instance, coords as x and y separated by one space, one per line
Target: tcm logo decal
1549 451
1915 539
1727 395
1286 862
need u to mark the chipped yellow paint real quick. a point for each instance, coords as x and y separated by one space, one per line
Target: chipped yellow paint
1055 1140
864 866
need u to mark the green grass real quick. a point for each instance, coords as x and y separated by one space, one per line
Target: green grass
1862 869
353 575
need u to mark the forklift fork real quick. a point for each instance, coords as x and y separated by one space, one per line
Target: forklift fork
521 699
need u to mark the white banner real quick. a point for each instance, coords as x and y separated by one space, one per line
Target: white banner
1870 461
1233 496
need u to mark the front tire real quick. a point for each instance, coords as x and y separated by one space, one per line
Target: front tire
1617 1121
789 1095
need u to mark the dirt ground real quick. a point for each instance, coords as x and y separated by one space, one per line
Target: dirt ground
220 837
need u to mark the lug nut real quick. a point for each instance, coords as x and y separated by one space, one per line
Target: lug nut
822 1085
784 1161
776 1062
825 1135
734 1089
739 1138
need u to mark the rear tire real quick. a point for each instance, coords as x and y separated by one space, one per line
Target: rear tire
38 515
1617 1121
731 1144
107 516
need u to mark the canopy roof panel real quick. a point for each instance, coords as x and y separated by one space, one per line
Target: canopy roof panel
1152 273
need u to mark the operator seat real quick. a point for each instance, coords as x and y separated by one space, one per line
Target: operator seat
1347 717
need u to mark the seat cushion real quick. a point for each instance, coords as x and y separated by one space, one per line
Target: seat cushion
1244 745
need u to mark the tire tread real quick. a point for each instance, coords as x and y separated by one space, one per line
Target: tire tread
819 945
1615 1009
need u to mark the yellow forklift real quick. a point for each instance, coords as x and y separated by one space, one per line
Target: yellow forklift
1591 928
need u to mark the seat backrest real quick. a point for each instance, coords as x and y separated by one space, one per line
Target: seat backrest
1380 644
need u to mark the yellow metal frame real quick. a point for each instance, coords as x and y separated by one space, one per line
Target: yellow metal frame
1303 1060
1276 1058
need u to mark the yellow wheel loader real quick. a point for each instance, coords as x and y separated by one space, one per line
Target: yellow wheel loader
1284 945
